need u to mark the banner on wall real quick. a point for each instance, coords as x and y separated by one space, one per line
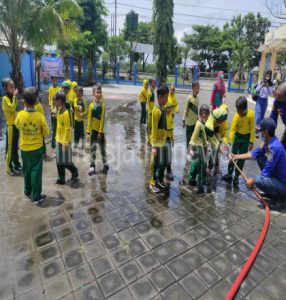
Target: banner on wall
51 66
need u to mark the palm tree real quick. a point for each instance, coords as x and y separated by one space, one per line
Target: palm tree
34 23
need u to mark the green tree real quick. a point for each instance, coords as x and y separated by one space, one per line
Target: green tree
163 37
207 41
34 23
117 48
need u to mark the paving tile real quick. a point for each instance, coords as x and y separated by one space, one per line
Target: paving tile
142 289
101 266
26 281
73 259
234 256
58 287
175 291
44 239
113 215
206 250
192 259
94 250
80 277
164 253
124 294
69 244
148 262
128 234
208 275
130 272
178 245
161 278
193 286
120 256
37 294
111 242
87 237
110 283
218 243
178 267
192 238
153 239
48 253
137 247
120 224
142 228
63 232
89 292
52 269
222 265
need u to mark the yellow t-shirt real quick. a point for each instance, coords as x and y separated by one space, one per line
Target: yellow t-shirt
243 125
63 135
33 128
39 108
52 92
199 137
143 95
174 101
159 132
150 101
9 108
80 110
96 117
71 97
191 110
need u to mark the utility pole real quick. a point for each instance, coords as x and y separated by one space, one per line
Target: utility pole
115 26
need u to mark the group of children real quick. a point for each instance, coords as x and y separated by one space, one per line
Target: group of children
69 111
206 135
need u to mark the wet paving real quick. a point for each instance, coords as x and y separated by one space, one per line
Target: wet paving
110 238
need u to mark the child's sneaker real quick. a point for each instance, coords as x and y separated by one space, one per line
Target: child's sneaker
199 189
170 175
192 183
105 169
60 182
161 185
74 180
154 188
41 198
227 178
91 171
235 181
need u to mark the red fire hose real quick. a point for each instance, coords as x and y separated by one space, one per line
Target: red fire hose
251 259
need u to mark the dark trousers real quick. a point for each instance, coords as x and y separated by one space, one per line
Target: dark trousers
78 131
198 166
54 131
12 155
189 133
169 153
64 161
239 146
93 146
143 114
32 170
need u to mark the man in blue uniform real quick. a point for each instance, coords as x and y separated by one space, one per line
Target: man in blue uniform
279 109
271 158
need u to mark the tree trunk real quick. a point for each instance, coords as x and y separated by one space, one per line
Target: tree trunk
16 73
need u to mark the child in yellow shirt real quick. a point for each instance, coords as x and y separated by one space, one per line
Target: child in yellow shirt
63 139
53 89
80 111
150 106
9 105
143 100
241 137
159 158
33 128
95 129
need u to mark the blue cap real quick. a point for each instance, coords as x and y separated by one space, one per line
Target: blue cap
268 124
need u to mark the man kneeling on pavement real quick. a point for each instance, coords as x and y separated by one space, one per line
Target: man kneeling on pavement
271 158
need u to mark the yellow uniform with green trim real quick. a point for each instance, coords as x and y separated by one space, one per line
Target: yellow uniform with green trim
243 125
33 128
39 108
172 98
52 92
169 120
143 96
150 107
9 106
95 127
63 135
158 141
80 111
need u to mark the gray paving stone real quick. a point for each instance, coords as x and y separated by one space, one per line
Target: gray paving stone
110 283
148 262
161 278
89 292
124 295
128 234
234 257
52 269
218 292
203 231
192 238
222 265
58 221
26 281
164 253
69 244
73 259
153 239
142 228
178 267
260 293
58 287
135 218
80 277
142 289
111 242
120 224
208 275
193 286
48 253
101 266
120 256
44 239
113 215
63 232
130 272
137 247
192 259
179 227
87 237
206 250
218 243
36 294
175 291
94 250
178 245
103 229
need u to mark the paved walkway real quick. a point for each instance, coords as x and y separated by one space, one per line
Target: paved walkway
112 239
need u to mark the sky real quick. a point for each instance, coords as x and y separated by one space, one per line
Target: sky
189 12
